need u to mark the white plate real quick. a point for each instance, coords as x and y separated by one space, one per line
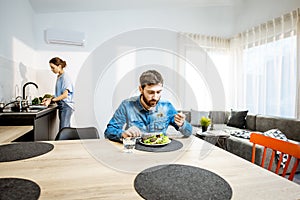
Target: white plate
153 145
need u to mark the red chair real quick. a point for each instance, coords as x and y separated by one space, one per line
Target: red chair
291 149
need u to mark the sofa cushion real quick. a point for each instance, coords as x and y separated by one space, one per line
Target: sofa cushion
289 127
251 122
218 117
275 133
243 148
238 119
239 133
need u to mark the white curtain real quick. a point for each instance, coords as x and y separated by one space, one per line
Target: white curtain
268 76
259 67
210 43
218 51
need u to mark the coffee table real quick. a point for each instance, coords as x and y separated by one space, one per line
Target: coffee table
216 137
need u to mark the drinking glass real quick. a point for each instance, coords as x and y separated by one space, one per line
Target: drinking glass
129 144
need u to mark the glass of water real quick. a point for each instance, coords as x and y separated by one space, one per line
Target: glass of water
129 144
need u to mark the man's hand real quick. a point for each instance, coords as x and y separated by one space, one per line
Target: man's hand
133 131
179 119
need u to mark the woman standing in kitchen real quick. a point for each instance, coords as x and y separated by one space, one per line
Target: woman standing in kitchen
64 92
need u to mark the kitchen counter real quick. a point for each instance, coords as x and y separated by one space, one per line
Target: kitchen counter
44 122
34 112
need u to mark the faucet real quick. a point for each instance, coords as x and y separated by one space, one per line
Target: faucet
28 83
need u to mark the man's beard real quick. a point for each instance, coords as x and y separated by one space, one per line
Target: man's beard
150 103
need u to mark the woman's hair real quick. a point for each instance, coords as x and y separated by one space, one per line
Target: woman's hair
57 61
151 77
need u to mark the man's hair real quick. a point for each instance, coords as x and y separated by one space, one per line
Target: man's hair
150 77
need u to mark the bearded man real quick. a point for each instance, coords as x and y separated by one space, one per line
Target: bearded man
146 113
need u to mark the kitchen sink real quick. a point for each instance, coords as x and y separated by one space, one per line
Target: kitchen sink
33 110
30 109
37 107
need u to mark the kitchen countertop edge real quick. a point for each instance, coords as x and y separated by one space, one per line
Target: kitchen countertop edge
36 114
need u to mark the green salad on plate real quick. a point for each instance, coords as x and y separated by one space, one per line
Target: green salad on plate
157 139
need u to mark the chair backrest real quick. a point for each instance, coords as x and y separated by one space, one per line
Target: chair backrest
276 145
68 133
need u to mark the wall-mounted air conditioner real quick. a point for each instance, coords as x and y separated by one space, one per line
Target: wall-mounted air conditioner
67 37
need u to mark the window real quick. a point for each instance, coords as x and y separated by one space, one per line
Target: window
270 78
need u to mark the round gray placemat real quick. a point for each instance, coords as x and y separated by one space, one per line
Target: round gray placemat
23 150
16 188
181 182
173 146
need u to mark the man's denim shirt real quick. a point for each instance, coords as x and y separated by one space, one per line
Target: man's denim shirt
131 113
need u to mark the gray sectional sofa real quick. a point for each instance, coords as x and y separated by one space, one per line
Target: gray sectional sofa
254 123
261 123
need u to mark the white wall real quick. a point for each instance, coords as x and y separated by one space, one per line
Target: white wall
17 49
101 26
254 12
16 37
22 33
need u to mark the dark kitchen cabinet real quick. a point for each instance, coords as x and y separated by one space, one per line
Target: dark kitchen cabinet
44 122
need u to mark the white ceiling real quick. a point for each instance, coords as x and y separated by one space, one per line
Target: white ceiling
54 6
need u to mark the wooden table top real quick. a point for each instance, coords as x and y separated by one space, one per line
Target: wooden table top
10 133
99 169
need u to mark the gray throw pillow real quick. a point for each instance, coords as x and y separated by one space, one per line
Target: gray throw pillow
238 119
218 117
